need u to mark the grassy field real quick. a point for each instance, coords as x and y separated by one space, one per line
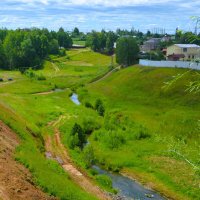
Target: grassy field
149 132
29 113
78 42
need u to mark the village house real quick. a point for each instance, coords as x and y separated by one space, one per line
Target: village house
183 52
151 44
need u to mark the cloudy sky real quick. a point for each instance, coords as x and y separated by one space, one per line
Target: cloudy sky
97 14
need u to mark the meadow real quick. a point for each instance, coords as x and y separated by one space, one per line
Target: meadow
28 113
149 131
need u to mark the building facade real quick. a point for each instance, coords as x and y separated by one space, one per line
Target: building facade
183 52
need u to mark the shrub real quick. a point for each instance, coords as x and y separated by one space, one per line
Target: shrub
142 133
99 107
88 153
41 77
90 124
77 136
104 181
88 105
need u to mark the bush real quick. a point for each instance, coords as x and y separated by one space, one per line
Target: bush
88 105
142 133
89 158
62 52
99 107
90 124
77 137
41 77
104 181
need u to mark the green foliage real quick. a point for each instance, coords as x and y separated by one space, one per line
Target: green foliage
77 137
90 124
64 40
101 41
88 105
99 107
105 182
89 157
127 51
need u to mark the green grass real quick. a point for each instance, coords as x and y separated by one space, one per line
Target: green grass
135 98
79 42
142 122
28 114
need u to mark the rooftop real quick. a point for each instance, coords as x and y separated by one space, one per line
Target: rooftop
187 45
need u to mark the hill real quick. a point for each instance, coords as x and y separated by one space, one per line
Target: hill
150 127
149 130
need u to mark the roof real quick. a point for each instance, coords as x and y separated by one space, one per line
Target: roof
154 40
187 45
176 55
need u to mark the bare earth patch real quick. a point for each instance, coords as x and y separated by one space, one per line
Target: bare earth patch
15 180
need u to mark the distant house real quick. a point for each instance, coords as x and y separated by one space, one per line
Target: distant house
166 38
151 44
183 52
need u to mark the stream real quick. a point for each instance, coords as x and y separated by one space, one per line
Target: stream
128 188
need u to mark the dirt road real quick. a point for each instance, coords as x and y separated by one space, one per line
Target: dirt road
15 180
56 150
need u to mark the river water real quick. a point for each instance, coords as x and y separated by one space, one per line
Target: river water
128 188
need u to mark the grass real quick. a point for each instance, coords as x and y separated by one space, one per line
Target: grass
142 123
28 115
135 98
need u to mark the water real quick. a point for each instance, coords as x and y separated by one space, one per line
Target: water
74 98
128 188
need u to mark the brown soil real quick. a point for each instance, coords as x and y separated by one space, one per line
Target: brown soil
56 150
15 180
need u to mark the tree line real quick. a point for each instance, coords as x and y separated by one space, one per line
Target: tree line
24 48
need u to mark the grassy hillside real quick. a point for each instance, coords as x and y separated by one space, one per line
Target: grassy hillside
148 131
151 129
29 113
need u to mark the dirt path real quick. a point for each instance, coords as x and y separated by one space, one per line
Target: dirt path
56 150
6 83
15 180
106 75
56 68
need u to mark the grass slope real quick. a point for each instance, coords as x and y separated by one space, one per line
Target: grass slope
29 114
153 130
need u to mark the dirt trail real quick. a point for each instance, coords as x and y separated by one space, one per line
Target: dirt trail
106 75
56 150
15 180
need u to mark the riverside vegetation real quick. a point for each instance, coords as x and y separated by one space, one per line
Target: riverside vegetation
133 121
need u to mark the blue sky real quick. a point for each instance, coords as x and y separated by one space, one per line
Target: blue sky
97 14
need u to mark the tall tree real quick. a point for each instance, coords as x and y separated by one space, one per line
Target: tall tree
127 51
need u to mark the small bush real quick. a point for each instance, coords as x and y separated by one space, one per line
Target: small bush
41 77
104 181
88 105
142 134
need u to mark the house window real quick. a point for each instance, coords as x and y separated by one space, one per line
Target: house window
193 57
189 57
184 49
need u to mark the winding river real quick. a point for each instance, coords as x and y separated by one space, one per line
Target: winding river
128 188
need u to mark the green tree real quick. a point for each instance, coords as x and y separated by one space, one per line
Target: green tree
64 40
2 57
77 130
127 51
53 47
76 32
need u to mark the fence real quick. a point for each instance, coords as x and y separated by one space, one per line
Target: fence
179 64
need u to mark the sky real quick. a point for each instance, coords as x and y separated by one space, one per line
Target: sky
90 15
